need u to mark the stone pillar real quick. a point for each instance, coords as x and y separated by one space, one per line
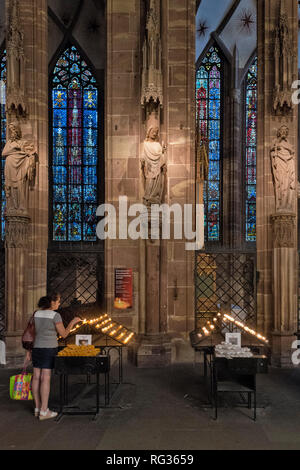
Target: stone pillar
169 268
285 267
233 223
16 262
122 144
179 96
152 348
163 270
35 21
276 194
27 106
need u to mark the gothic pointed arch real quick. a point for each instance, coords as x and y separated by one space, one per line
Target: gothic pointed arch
209 103
75 151
250 151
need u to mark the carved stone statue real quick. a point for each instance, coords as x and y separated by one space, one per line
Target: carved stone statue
153 167
283 166
19 172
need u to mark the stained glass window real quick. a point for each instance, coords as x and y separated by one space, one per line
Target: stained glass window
208 98
2 135
251 141
74 149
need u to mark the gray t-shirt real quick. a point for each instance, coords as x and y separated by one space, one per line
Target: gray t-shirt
45 331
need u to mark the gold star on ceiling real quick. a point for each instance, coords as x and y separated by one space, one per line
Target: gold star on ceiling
202 28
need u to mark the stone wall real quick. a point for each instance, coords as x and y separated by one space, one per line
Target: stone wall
122 137
125 133
276 237
27 237
179 125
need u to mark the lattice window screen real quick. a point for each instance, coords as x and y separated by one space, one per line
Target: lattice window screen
77 277
225 281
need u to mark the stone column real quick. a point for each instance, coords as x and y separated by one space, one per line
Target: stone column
166 269
277 175
285 268
152 348
163 270
234 228
35 20
180 119
122 144
16 262
27 106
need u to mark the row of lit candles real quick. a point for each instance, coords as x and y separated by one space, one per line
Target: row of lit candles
107 326
210 327
245 328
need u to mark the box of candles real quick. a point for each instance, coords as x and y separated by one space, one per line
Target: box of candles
81 360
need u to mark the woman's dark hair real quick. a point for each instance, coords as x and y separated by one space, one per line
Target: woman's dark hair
45 302
54 296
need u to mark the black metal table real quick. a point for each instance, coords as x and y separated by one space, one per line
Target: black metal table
107 345
82 365
236 375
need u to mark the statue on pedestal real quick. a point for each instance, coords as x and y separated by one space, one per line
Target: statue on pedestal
283 167
153 167
19 172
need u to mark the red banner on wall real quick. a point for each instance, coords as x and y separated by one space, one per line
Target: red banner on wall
123 288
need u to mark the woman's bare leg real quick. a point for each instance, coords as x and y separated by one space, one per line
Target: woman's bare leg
45 388
36 387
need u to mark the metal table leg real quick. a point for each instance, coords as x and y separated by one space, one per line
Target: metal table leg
61 396
97 396
62 393
121 365
66 389
106 388
205 363
215 389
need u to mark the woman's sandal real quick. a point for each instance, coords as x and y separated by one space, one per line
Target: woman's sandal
47 414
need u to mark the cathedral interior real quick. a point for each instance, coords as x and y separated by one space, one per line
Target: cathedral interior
176 102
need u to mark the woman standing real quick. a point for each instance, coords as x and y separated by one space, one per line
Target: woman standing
48 324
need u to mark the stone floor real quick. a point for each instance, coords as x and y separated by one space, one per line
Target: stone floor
159 409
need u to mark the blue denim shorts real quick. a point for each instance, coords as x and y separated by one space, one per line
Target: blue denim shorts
44 358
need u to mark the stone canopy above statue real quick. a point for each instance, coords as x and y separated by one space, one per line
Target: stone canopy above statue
152 90
15 100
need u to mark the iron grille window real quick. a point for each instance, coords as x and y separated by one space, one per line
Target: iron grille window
74 149
76 276
250 151
209 91
225 280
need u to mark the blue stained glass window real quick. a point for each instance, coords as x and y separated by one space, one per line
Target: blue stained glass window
74 149
2 136
60 193
250 150
208 97
59 220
